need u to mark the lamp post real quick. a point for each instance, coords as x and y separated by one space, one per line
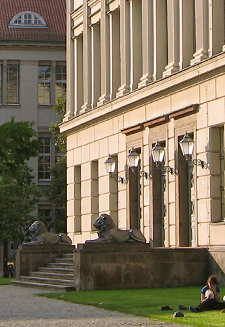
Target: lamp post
111 167
187 147
158 153
133 158
133 161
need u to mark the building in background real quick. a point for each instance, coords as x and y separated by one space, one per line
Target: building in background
143 71
33 74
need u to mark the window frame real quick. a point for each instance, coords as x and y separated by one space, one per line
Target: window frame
43 155
44 82
35 20
12 89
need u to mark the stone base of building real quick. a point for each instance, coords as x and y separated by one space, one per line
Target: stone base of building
137 265
128 265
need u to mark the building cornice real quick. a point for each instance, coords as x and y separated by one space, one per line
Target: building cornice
189 76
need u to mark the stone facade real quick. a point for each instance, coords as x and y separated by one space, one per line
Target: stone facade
141 71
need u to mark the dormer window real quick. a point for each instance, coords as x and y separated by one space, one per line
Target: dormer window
27 19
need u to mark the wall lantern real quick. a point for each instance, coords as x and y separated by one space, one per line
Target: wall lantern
187 147
158 153
110 167
133 161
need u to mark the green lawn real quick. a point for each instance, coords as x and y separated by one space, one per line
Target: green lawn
5 281
148 303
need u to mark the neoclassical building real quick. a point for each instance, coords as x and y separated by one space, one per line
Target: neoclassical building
147 75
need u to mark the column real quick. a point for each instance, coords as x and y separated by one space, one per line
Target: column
87 59
147 43
201 32
136 42
159 37
186 32
114 37
124 48
69 61
216 26
96 64
78 76
173 37
105 67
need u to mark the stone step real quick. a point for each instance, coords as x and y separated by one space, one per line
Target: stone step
56 275
50 287
46 274
61 265
63 260
42 280
55 270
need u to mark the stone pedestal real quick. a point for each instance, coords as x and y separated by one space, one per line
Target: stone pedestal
30 257
137 265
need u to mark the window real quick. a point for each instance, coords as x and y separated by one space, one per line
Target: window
60 85
44 159
44 85
27 19
12 84
45 215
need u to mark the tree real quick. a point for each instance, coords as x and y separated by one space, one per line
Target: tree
18 197
17 145
56 193
18 193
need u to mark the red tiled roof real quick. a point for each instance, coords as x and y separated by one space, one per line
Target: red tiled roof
53 12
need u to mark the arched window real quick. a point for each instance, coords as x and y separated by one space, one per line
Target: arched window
27 19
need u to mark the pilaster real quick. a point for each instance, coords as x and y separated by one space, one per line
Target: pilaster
124 48
186 37
201 22
96 63
147 43
105 66
69 62
160 37
173 37
135 42
216 26
86 58
115 69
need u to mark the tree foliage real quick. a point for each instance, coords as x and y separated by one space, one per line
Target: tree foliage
18 197
56 193
18 192
17 145
60 109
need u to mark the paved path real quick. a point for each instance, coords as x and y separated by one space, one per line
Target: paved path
19 307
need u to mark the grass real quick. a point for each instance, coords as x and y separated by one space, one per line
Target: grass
5 281
147 303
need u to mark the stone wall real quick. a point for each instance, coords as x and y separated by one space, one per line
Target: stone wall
137 265
128 265
216 263
30 257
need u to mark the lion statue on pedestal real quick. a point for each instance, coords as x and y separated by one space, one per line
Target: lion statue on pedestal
42 236
107 232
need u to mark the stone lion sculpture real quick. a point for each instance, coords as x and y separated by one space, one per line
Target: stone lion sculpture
42 236
107 232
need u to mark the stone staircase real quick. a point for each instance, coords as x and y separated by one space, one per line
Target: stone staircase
55 276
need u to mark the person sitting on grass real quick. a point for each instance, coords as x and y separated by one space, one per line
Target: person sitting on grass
210 297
